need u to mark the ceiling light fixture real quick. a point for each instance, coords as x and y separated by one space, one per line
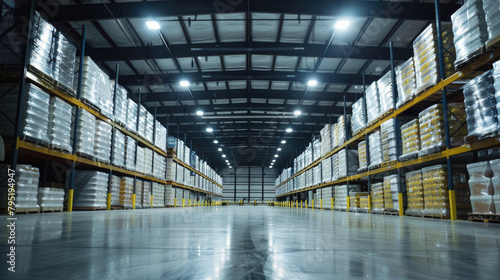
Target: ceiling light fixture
274 160
342 24
288 130
216 142
297 113
227 160
279 149
270 166
184 83
199 113
220 149
153 24
312 83
283 141
276 155
230 166
223 156
210 130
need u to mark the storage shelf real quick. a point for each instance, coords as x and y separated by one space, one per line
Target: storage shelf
428 95
192 189
194 170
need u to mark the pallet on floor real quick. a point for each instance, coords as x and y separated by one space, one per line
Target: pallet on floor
51 209
486 218
392 212
89 208
27 210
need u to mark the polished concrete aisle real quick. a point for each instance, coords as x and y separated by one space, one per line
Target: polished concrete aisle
248 242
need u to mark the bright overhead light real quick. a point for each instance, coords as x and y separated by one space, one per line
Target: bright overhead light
153 24
312 83
199 113
184 83
220 149
276 155
270 166
228 163
279 149
230 166
297 113
283 141
288 130
216 142
272 163
342 24
224 156
227 160
210 130
274 160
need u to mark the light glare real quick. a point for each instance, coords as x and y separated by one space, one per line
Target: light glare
153 24
342 24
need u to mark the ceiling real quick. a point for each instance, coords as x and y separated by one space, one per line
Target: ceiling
248 63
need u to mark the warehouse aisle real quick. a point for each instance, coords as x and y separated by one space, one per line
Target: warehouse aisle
249 243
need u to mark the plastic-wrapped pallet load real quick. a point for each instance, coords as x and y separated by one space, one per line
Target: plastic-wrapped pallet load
96 88
51 198
358 121
334 135
121 104
132 115
481 188
102 141
27 178
118 155
179 174
391 198
169 196
388 140
326 140
341 137
351 165
59 129
405 80
495 180
130 153
149 129
469 31
492 15
35 121
375 149
415 193
159 167
309 178
480 105
327 194
363 163
148 161
372 103
140 164
179 195
86 134
161 136
316 149
436 194
146 195
115 190
143 115
378 198
317 175
340 197
326 170
126 192
335 167
431 125
425 50
385 93
410 138
355 199
139 186
92 189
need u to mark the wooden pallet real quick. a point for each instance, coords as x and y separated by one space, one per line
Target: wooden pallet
117 207
89 208
392 212
474 56
379 118
486 218
27 210
474 138
388 163
51 209
493 44
51 81
58 148
91 105
35 141
86 156
359 132
437 216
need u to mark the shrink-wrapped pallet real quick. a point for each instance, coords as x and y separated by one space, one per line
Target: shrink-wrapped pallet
375 149
405 80
363 163
415 193
85 138
410 138
481 188
372 103
118 154
59 129
102 141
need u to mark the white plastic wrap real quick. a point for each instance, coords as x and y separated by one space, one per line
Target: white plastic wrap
335 135
51 197
149 129
326 140
410 137
481 187
91 189
96 88
27 178
130 153
143 115
496 83
316 149
335 167
86 134
492 15
415 193
121 104
132 115
118 155
139 186
391 198
140 164
60 118
363 163
326 170
375 149
317 175
126 191
102 141
358 121
351 165
388 140
340 197
159 167
385 93
405 80
372 102
341 126
148 161
146 195
35 120
161 136
169 196
158 194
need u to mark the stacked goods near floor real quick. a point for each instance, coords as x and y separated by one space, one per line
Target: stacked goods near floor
139 186
91 191
391 194
125 192
158 194
146 195
341 197
481 188
27 179
327 194
358 201
115 189
51 199
415 193
495 180
378 198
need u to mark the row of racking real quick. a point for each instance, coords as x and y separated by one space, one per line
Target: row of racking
407 147
78 142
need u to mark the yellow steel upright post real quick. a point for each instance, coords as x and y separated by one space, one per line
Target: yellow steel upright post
306 204
370 203
312 203
183 202
401 209
152 201
108 202
301 204
133 200
332 202
175 203
453 205
348 204
70 200
321 203
189 202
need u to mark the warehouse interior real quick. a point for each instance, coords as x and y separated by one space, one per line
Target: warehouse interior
250 139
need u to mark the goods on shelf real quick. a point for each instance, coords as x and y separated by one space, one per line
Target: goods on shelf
326 140
431 125
340 197
171 142
355 200
309 178
132 115
115 190
495 167
410 138
59 129
179 174
317 175
372 103
388 140
480 105
126 192
341 137
143 114
118 154
85 139
91 189
385 93
102 141
415 193
391 198
492 14
146 194
130 145
51 197
169 196
334 135
149 128
35 121
469 30
335 165
347 162
159 166
161 136
496 78
481 188
27 178
363 163
121 103
375 149
425 51
405 80
316 149
96 88
139 186
436 194
148 161
364 203
309 155
51 52
378 198
140 164
179 195
358 121
326 170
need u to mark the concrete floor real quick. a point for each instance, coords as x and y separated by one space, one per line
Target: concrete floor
247 242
